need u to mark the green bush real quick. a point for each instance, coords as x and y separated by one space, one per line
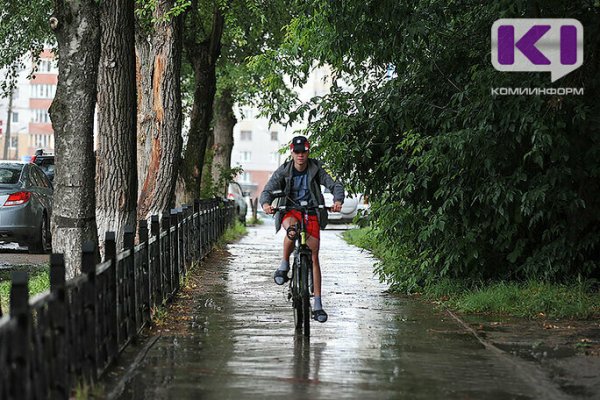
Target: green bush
466 184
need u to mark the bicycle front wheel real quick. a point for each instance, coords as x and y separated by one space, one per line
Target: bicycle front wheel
305 267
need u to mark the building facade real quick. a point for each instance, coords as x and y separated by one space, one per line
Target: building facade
30 126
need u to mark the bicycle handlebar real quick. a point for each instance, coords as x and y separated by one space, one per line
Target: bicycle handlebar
301 208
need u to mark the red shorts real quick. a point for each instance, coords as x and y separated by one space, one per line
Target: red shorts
313 223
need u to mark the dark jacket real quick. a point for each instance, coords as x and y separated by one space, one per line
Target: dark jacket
282 180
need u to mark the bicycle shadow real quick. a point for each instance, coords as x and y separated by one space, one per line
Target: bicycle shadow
307 360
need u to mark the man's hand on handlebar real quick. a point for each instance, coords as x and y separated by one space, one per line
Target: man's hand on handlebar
337 207
268 209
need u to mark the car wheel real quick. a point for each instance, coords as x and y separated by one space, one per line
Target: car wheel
43 241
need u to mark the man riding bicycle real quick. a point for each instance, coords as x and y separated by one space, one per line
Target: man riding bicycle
301 180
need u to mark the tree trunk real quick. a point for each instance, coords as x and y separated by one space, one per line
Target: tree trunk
77 29
116 170
223 133
8 121
203 57
159 111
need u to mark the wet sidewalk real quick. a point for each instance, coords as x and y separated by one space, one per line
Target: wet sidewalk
232 337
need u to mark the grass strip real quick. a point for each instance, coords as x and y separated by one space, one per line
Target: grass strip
530 299
39 281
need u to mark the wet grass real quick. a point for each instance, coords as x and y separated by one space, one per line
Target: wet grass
232 234
530 299
39 281
255 221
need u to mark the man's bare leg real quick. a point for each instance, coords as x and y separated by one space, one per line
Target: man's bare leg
280 276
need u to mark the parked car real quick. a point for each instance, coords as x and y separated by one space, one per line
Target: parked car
25 205
45 161
235 192
349 208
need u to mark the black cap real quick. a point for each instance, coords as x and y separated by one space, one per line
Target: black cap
299 144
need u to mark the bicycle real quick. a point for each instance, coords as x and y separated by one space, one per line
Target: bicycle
301 283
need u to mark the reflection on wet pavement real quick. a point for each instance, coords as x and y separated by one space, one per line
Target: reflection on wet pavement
241 344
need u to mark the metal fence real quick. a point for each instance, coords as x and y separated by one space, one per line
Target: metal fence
74 331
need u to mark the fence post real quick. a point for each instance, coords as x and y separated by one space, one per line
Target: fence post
196 232
130 280
145 281
165 254
59 387
156 278
204 226
186 232
110 253
175 254
19 309
88 267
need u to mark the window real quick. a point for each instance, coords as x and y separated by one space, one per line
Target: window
43 91
41 116
41 140
274 136
246 135
247 113
245 177
245 155
14 141
45 66
15 117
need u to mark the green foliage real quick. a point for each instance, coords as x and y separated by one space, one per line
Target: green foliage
232 234
39 281
466 184
24 29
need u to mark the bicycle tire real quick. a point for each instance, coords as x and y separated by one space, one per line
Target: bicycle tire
305 265
296 298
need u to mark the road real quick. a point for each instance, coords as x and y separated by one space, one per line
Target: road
236 340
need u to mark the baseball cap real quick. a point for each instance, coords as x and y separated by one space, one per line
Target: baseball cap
299 144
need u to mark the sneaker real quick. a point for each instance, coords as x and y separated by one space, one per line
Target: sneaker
280 277
320 315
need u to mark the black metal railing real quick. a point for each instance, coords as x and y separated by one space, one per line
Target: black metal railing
74 331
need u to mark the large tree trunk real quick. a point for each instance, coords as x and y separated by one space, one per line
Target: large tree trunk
116 170
159 111
203 57
223 133
77 29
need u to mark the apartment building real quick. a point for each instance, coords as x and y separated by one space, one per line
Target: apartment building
257 144
30 126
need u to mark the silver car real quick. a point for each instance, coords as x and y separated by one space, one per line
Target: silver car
235 192
25 205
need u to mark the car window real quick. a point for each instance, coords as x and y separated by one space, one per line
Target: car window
10 173
42 179
33 177
235 189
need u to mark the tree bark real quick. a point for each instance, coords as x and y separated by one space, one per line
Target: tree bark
203 56
223 133
158 56
116 170
77 28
